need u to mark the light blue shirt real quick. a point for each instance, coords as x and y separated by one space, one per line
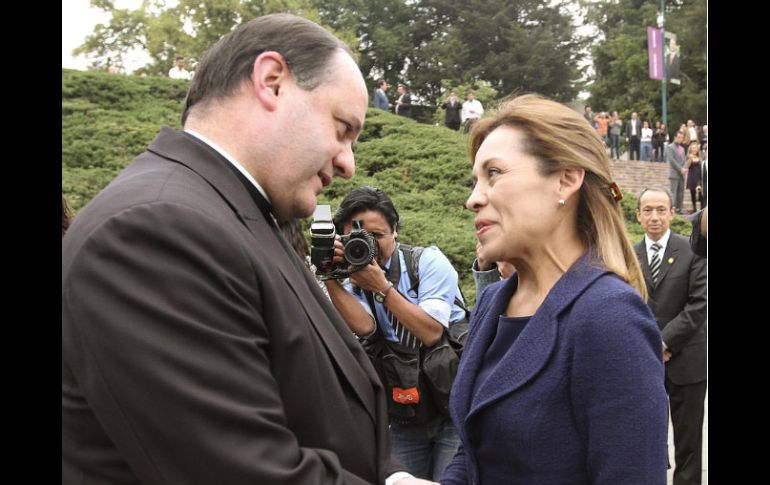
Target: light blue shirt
436 293
380 99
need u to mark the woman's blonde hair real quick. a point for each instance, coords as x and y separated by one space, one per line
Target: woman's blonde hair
558 138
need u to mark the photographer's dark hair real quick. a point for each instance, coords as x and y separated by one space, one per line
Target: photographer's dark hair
306 46
364 199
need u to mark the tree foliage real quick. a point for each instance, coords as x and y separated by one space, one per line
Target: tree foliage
528 45
620 59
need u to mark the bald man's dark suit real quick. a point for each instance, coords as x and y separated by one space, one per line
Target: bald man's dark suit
197 348
678 302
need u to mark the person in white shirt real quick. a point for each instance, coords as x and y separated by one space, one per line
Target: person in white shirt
646 141
178 71
472 111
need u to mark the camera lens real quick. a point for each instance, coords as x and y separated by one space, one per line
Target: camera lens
358 252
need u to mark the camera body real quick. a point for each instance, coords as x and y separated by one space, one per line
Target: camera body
360 247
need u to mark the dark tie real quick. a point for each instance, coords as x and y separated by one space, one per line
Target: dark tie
655 263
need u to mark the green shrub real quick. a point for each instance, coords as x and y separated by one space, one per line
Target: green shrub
107 120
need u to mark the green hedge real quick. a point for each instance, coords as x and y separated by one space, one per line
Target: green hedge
107 120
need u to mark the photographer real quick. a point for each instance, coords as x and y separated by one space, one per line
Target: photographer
381 303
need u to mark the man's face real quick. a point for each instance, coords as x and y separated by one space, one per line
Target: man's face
376 224
471 96
679 138
180 63
633 116
401 90
319 129
655 213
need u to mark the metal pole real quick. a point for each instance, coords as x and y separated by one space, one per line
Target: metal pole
662 24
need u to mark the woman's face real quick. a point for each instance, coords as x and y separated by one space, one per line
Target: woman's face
515 206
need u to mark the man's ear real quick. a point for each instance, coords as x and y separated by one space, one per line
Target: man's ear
268 75
570 181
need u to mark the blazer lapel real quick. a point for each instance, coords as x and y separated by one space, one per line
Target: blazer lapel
533 348
342 347
483 323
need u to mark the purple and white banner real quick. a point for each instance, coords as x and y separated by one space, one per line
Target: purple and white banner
655 52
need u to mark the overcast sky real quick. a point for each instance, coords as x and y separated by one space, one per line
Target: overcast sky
77 21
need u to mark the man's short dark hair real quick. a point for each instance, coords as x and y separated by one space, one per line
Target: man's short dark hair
654 188
362 199
382 81
179 58
306 46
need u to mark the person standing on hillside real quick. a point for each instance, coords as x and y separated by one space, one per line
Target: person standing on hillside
178 71
452 118
404 102
380 96
472 111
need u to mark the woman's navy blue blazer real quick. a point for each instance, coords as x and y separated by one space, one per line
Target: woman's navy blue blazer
577 399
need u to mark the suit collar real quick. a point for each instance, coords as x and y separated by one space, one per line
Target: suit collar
671 255
532 348
187 150
342 347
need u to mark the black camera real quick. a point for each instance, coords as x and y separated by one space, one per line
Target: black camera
360 247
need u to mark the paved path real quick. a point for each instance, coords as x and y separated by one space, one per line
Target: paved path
704 474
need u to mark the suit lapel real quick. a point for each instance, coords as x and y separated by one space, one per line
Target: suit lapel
342 347
670 257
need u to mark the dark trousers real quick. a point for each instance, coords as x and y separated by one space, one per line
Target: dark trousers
452 125
633 147
687 411
696 197
615 146
657 152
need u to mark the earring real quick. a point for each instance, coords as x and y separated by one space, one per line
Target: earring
562 202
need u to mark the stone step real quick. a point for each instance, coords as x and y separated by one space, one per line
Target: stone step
633 176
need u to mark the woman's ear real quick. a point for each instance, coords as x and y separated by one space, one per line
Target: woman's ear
269 73
570 181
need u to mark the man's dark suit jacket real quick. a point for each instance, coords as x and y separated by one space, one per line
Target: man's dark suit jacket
452 116
679 305
405 108
629 127
197 348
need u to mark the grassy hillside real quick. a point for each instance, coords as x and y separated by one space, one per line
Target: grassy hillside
107 120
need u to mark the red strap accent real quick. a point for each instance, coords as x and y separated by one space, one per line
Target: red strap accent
406 396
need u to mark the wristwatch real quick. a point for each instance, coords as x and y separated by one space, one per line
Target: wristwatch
380 295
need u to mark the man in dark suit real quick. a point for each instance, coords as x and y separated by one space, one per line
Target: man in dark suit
404 102
677 168
676 282
453 107
634 136
196 347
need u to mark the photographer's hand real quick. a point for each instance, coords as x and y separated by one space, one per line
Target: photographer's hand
371 277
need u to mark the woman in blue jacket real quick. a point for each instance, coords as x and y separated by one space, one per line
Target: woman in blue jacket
561 380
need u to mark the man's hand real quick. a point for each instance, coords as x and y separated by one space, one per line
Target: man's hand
666 356
371 278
